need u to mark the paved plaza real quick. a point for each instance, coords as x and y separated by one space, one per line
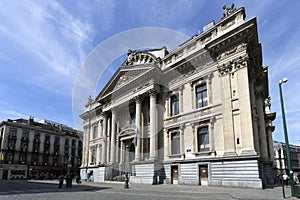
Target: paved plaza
31 190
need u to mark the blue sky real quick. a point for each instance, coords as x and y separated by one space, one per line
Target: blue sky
44 43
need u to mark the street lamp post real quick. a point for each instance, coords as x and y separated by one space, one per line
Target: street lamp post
287 145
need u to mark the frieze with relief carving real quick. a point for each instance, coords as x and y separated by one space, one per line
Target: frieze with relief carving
173 120
233 65
232 51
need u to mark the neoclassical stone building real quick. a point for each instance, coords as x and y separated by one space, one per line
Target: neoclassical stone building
197 115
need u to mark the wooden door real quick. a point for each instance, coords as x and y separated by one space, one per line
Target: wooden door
203 175
174 174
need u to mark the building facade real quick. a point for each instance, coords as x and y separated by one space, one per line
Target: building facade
280 156
41 150
197 115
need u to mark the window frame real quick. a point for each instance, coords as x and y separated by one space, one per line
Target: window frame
205 145
175 135
175 111
201 93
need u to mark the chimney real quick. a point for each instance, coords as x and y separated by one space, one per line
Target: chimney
31 119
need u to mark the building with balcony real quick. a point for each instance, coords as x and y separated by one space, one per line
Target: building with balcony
43 149
197 115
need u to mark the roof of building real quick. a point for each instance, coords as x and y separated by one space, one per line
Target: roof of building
44 126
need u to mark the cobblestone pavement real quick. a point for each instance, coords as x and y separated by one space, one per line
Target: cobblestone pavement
34 190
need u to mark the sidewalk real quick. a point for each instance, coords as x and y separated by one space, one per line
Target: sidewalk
192 190
234 193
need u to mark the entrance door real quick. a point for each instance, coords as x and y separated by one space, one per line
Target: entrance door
131 152
174 171
203 175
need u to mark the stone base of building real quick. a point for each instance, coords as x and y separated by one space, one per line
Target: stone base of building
233 172
147 172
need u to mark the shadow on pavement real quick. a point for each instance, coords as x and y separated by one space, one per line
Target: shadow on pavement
8 187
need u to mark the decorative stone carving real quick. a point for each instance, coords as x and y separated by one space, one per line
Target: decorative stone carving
268 105
233 65
152 92
236 49
135 57
228 11
137 99
123 79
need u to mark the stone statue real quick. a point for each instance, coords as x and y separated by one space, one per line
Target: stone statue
268 105
228 11
130 54
90 98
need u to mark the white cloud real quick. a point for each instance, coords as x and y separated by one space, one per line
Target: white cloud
47 31
12 114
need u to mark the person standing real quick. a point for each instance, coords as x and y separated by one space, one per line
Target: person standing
61 181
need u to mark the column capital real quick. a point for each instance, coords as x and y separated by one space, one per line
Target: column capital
137 99
152 92
113 110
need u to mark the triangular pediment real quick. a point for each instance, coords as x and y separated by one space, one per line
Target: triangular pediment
123 76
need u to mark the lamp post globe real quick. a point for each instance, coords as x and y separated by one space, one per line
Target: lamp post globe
284 80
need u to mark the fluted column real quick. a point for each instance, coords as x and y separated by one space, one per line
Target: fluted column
113 137
104 140
153 123
138 128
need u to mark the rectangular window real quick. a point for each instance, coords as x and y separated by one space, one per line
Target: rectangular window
175 143
174 105
93 156
11 144
56 141
25 134
13 132
23 158
201 96
95 132
203 139
10 157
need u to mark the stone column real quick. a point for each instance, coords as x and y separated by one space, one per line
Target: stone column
181 140
98 154
138 128
90 155
104 140
153 123
108 140
262 127
166 144
122 153
229 138
113 137
180 99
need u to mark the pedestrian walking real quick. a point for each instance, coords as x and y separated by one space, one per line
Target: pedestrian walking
286 179
61 181
78 179
67 181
